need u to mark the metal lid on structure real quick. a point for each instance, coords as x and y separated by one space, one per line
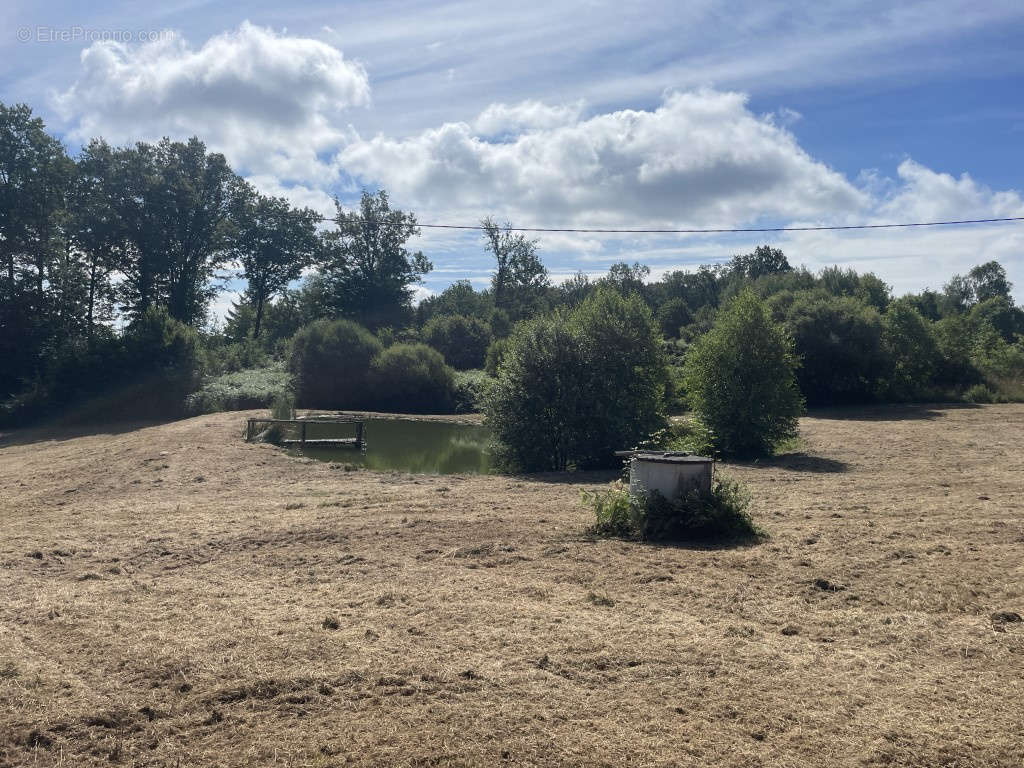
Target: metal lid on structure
671 457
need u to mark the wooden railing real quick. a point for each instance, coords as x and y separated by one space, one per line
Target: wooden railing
255 427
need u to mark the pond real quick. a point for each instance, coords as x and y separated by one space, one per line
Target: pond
406 445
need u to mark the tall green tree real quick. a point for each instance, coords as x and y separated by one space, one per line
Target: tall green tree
99 233
519 279
273 242
368 270
35 177
175 202
740 379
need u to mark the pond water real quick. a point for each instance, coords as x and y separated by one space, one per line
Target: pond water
427 447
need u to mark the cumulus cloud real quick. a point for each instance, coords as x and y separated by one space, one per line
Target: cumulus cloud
926 195
272 103
506 119
700 157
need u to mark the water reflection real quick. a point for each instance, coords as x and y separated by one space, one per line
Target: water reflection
429 447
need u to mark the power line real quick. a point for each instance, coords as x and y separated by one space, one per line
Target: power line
726 231
717 231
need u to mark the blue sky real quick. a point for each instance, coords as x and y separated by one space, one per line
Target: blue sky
681 114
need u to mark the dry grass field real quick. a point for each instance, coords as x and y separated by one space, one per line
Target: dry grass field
171 596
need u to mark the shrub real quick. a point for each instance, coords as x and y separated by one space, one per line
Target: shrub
672 316
495 352
234 356
913 354
283 406
145 373
535 408
330 361
462 340
242 390
626 375
839 343
740 380
717 517
471 390
979 393
575 386
412 378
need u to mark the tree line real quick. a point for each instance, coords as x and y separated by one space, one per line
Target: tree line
117 244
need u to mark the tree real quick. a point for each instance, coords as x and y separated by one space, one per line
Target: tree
627 279
764 260
274 243
740 380
838 340
846 282
536 408
174 201
573 291
626 376
459 298
35 177
368 270
988 281
983 282
519 277
462 340
97 230
573 387
673 315
908 340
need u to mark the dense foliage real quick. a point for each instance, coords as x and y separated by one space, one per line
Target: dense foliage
330 362
740 380
720 516
575 386
462 340
411 378
92 244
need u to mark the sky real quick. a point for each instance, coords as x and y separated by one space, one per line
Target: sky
684 114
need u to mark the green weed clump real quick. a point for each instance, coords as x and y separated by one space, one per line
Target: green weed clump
240 390
719 517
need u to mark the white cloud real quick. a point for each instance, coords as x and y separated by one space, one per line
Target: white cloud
926 195
270 102
700 157
504 119
299 195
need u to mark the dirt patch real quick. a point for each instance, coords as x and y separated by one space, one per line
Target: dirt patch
283 612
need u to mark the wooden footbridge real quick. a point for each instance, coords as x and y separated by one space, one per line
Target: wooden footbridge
296 431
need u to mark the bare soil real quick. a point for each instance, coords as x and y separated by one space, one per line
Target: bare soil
173 596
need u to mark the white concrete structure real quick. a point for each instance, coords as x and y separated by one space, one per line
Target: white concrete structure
671 474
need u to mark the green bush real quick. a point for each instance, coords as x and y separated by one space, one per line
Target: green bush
241 390
495 352
412 378
471 390
573 387
740 380
283 405
462 340
720 516
234 356
979 393
145 373
838 340
913 354
330 361
672 316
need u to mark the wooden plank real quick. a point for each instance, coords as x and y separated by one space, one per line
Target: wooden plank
323 441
